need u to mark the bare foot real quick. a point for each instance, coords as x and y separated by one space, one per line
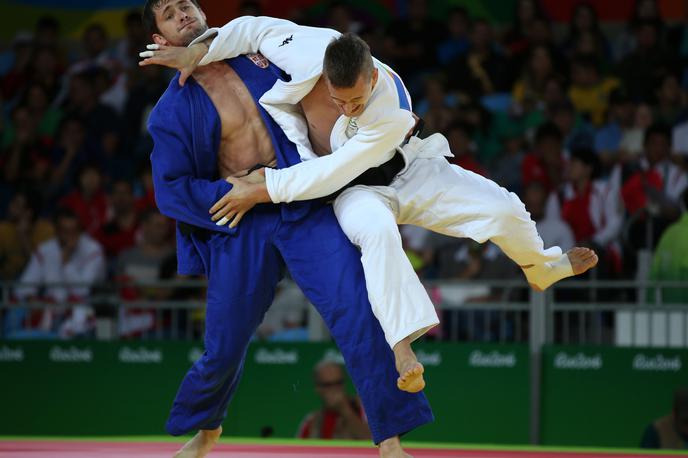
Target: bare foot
411 377
200 445
582 259
410 370
391 448
577 261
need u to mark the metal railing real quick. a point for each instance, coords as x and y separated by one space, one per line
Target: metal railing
621 313
483 310
625 313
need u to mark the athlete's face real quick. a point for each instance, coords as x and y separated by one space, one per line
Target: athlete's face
352 100
179 22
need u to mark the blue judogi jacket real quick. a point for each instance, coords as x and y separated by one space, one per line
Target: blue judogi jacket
186 129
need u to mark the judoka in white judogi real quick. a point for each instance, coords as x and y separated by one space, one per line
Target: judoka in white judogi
428 192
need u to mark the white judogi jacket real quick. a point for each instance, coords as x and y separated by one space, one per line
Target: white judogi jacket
358 144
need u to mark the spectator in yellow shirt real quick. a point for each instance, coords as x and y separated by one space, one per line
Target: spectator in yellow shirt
589 91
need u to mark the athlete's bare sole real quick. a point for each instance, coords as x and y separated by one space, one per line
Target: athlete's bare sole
200 445
410 370
579 260
411 379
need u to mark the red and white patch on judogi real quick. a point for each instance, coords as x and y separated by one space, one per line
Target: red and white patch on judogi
259 60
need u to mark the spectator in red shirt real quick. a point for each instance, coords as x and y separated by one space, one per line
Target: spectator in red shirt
593 208
145 194
652 192
546 163
119 233
341 416
88 201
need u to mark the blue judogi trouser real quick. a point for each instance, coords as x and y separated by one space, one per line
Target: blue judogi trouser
243 269
242 274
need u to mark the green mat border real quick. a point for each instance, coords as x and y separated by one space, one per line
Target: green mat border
357 444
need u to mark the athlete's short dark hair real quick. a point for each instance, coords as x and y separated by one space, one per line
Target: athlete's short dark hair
346 58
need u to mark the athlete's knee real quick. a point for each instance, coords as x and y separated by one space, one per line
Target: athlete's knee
361 227
379 230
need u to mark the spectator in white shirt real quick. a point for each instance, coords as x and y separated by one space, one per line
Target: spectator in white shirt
652 193
658 158
70 257
592 207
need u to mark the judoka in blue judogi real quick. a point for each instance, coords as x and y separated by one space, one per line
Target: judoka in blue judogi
244 264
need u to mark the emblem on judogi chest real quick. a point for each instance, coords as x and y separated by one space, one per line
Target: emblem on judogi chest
351 128
259 60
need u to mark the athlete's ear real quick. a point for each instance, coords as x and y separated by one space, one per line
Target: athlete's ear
375 74
160 40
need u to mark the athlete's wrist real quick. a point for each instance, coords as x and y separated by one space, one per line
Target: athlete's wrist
199 50
260 193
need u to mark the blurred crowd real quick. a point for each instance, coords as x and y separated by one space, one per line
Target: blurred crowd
587 122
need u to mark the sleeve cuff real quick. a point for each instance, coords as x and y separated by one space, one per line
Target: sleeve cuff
207 34
225 187
270 178
212 32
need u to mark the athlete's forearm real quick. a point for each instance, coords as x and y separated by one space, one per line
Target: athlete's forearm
243 35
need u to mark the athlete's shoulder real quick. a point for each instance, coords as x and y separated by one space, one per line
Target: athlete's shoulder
174 101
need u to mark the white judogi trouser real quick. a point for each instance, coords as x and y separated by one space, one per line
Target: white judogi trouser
441 197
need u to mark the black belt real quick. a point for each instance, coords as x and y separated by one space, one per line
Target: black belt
382 175
376 176
385 173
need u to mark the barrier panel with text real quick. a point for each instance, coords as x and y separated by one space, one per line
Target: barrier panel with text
606 396
479 393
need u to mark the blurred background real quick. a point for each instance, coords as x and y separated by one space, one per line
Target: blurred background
579 107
